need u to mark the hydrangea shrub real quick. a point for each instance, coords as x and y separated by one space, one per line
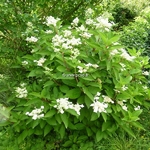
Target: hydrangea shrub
78 78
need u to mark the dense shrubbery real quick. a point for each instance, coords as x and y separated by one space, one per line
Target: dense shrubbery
71 79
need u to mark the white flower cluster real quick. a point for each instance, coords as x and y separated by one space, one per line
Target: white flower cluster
89 12
84 32
36 113
86 67
98 106
123 53
146 73
40 61
107 99
32 39
124 106
63 104
137 108
75 22
126 56
124 88
21 92
51 21
66 43
24 63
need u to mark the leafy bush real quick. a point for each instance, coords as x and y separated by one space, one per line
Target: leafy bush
76 78
135 35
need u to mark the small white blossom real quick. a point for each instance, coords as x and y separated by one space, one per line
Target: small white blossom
31 39
48 31
51 21
81 69
107 99
63 104
36 113
114 52
85 35
77 108
21 92
99 106
67 33
126 56
75 22
40 61
89 22
24 63
137 108
124 88
146 73
124 107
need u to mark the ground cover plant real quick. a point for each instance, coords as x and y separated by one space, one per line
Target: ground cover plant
75 82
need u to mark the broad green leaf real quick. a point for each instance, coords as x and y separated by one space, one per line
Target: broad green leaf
137 125
73 93
70 82
79 126
35 123
64 88
32 101
104 115
55 92
22 136
62 131
48 83
47 129
50 113
88 93
106 125
42 123
89 131
128 130
87 101
94 116
52 121
68 144
65 119
99 135
61 68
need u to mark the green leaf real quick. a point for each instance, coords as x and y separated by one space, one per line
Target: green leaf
65 119
94 116
48 83
73 93
50 113
79 126
89 131
88 93
22 136
128 130
70 82
52 121
64 88
114 39
58 118
67 144
104 115
62 131
55 92
35 123
32 101
138 125
99 135
87 101
61 68
47 129
106 125
72 112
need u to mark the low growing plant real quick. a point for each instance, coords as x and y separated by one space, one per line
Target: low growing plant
77 78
